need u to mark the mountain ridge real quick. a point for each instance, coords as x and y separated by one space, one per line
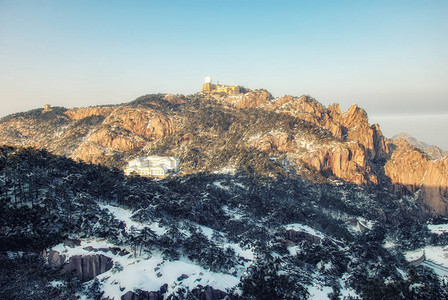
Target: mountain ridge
253 132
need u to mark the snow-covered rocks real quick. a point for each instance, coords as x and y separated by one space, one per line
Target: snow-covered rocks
122 272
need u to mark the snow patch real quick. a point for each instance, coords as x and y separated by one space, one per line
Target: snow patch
319 292
293 250
304 228
56 283
148 272
234 213
415 286
388 244
246 253
238 184
436 258
438 229
125 216
153 272
219 184
207 231
101 245
437 254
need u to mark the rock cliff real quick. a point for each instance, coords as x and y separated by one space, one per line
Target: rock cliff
406 167
434 191
357 142
85 267
410 170
124 129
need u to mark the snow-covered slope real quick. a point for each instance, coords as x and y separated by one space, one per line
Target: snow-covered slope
147 272
204 235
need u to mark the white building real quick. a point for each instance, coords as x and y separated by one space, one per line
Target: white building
153 166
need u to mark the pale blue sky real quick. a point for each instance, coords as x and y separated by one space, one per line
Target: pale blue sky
389 57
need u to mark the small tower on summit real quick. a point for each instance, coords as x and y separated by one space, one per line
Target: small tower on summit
207 86
47 108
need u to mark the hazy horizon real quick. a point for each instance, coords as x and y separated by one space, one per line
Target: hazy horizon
388 57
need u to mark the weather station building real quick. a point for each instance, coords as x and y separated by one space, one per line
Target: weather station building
153 166
210 88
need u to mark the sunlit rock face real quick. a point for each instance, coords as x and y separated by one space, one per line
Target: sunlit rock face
434 190
406 167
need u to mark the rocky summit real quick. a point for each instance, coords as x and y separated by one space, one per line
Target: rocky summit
259 198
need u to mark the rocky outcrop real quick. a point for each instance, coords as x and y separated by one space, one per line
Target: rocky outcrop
252 99
274 142
88 267
410 170
93 134
174 99
146 123
81 113
115 139
334 111
90 152
353 117
304 108
55 259
345 161
125 129
209 293
358 144
351 125
406 167
434 191
336 130
85 267
357 128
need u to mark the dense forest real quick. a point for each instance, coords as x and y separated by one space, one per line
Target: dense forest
47 199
